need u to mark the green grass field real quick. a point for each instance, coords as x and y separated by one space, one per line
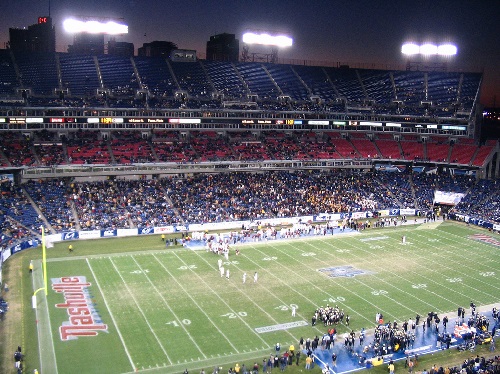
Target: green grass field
167 309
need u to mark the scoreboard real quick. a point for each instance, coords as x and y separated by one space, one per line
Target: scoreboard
38 122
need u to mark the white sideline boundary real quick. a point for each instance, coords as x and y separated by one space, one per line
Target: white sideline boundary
46 351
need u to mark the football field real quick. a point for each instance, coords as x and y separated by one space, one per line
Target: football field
131 305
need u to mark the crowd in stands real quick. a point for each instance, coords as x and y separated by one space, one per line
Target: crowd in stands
115 204
66 204
245 196
44 148
18 218
482 201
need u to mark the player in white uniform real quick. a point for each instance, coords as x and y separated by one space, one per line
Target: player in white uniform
244 277
221 269
255 277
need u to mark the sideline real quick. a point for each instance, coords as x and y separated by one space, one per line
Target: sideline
48 362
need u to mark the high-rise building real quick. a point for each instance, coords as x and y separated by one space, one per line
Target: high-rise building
124 49
223 47
40 37
87 44
157 48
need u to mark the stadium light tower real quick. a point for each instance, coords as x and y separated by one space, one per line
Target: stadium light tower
435 56
89 32
274 41
94 26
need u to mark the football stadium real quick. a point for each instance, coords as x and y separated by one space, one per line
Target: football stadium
164 213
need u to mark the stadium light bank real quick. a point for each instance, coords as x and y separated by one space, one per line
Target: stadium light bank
429 49
266 39
75 26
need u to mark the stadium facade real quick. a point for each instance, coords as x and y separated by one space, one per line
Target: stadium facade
365 115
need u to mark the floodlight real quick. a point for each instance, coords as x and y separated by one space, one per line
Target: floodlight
94 27
447 50
410 49
428 49
266 39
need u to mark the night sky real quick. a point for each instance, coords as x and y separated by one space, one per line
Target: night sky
347 31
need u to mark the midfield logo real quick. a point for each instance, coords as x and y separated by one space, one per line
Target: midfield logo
342 271
84 320
485 239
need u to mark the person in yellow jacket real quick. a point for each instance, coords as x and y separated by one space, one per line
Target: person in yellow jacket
391 367
31 267
308 362
237 368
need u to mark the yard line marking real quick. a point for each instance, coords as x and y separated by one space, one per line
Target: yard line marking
441 285
367 260
168 306
47 315
111 315
257 305
313 284
268 291
454 269
467 273
492 251
220 298
140 310
360 281
286 284
399 276
355 278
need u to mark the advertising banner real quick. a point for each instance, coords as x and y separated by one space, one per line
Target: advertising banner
108 233
70 235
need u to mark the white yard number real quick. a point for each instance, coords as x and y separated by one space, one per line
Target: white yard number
454 280
308 254
176 324
287 307
140 271
186 267
420 285
231 263
375 247
343 250
234 315
338 299
379 292
270 258
487 273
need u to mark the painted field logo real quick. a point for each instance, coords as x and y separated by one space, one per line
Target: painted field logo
485 239
342 271
84 320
